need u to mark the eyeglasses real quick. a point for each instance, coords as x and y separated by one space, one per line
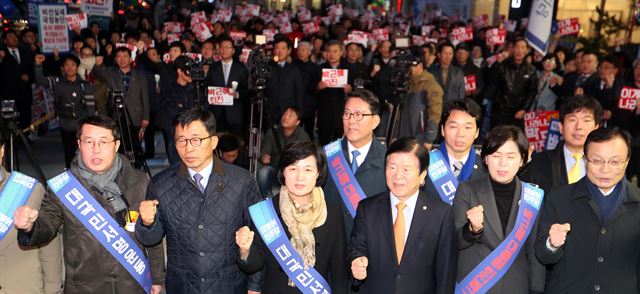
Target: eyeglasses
195 141
615 163
356 115
91 143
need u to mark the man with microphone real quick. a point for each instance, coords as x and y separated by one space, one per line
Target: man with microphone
588 231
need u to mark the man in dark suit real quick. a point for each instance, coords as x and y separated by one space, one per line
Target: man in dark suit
360 117
550 169
460 126
449 76
16 75
285 87
331 100
133 84
588 232
416 226
310 72
583 80
226 73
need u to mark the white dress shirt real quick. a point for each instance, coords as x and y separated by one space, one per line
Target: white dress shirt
408 211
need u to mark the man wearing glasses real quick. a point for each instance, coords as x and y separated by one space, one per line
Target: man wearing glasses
198 205
363 153
588 231
118 188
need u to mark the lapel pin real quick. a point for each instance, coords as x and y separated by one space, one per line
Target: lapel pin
424 207
475 166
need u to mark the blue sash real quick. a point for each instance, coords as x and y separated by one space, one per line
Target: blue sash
14 194
340 171
264 217
493 267
553 135
102 226
442 177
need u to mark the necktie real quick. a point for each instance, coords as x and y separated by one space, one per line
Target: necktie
457 168
226 73
574 173
197 177
354 162
399 231
581 80
14 52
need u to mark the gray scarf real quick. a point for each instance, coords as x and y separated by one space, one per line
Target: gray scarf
105 183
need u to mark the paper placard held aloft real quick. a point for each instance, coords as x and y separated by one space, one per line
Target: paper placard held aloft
334 78
220 96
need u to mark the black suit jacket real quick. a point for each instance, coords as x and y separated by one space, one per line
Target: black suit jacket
285 88
595 255
13 87
234 115
546 169
526 274
430 254
370 176
331 247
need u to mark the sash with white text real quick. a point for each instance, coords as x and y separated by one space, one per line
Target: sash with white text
442 177
264 217
102 226
14 194
493 267
340 171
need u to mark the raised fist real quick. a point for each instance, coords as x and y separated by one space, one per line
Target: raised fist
39 59
359 267
148 210
475 215
558 234
244 239
24 217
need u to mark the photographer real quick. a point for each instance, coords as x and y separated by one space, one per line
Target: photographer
131 87
423 105
178 95
73 100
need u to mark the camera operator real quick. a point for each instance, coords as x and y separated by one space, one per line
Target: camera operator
73 100
125 81
179 95
423 104
225 73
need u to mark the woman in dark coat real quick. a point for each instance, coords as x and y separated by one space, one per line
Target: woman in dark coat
485 212
314 227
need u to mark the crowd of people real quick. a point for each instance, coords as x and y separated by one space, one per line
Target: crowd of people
335 207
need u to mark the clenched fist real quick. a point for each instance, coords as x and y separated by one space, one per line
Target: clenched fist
148 209
359 267
558 234
24 217
475 215
39 59
244 238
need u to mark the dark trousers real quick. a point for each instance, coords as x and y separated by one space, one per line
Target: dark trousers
69 145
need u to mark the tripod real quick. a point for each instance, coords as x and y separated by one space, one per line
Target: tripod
10 128
121 115
255 132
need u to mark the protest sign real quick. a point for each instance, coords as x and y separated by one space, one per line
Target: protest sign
334 78
53 27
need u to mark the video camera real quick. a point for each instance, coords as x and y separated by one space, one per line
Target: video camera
116 98
9 112
258 64
196 71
